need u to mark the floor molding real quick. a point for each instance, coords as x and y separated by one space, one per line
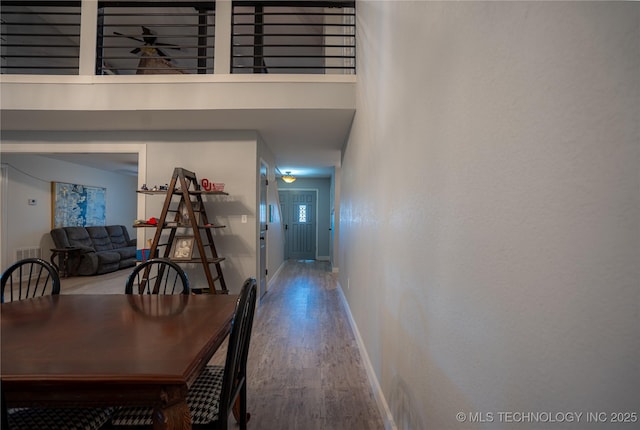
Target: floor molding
273 278
381 401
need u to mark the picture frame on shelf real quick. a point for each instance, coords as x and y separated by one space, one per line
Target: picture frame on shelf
183 213
182 248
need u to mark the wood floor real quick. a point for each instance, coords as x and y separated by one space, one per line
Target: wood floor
305 370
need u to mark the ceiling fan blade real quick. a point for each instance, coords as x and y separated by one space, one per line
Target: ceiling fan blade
150 40
128 37
168 45
148 36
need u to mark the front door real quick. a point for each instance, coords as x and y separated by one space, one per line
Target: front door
299 213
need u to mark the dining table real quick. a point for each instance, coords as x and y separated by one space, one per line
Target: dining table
108 350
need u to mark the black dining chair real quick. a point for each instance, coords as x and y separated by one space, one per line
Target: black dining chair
58 418
25 280
28 278
157 276
218 390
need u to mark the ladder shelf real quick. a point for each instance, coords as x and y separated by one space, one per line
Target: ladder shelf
184 209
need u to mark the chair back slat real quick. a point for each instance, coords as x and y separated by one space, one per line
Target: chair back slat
157 276
29 278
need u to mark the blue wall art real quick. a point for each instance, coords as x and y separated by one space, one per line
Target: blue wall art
78 205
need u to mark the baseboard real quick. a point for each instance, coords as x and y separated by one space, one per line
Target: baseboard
273 277
383 407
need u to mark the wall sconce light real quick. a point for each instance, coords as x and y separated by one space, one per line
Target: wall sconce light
288 178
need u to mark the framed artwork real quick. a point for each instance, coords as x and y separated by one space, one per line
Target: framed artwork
182 248
183 213
75 205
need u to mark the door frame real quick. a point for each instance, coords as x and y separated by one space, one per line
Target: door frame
4 177
263 190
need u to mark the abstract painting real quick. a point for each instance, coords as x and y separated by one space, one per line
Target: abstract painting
77 205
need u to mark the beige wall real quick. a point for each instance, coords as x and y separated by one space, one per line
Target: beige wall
490 208
227 157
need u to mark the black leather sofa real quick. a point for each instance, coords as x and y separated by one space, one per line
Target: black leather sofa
102 249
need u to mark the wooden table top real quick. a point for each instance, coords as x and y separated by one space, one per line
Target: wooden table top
74 342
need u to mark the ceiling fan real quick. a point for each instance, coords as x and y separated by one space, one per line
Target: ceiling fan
153 60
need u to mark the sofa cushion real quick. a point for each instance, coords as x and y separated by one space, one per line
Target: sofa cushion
127 252
108 261
97 252
71 236
119 236
100 238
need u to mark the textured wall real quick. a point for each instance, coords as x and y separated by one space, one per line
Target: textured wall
490 208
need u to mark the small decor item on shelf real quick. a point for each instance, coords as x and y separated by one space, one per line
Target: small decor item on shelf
182 248
164 187
206 185
151 221
183 214
144 187
211 186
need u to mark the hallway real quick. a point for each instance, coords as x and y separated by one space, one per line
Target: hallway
305 370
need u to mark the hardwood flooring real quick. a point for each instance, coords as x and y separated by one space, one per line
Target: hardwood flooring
305 370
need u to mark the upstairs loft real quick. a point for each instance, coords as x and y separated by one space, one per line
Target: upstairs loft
274 67
116 37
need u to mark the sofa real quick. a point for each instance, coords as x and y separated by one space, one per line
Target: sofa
101 249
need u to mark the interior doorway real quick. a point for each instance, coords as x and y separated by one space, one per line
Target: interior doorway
77 148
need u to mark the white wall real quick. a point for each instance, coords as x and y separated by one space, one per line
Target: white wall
30 177
227 157
492 180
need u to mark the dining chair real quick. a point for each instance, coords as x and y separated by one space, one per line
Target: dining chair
24 280
218 390
28 278
157 276
58 418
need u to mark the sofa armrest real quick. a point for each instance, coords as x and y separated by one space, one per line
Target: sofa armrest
85 249
133 242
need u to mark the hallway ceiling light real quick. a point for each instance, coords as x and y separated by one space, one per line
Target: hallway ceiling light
288 178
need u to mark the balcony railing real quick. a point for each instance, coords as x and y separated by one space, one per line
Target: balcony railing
293 37
153 38
40 37
177 36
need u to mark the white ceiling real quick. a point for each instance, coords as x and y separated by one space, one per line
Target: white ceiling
307 142
126 164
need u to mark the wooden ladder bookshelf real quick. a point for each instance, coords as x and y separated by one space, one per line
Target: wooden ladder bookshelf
184 209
